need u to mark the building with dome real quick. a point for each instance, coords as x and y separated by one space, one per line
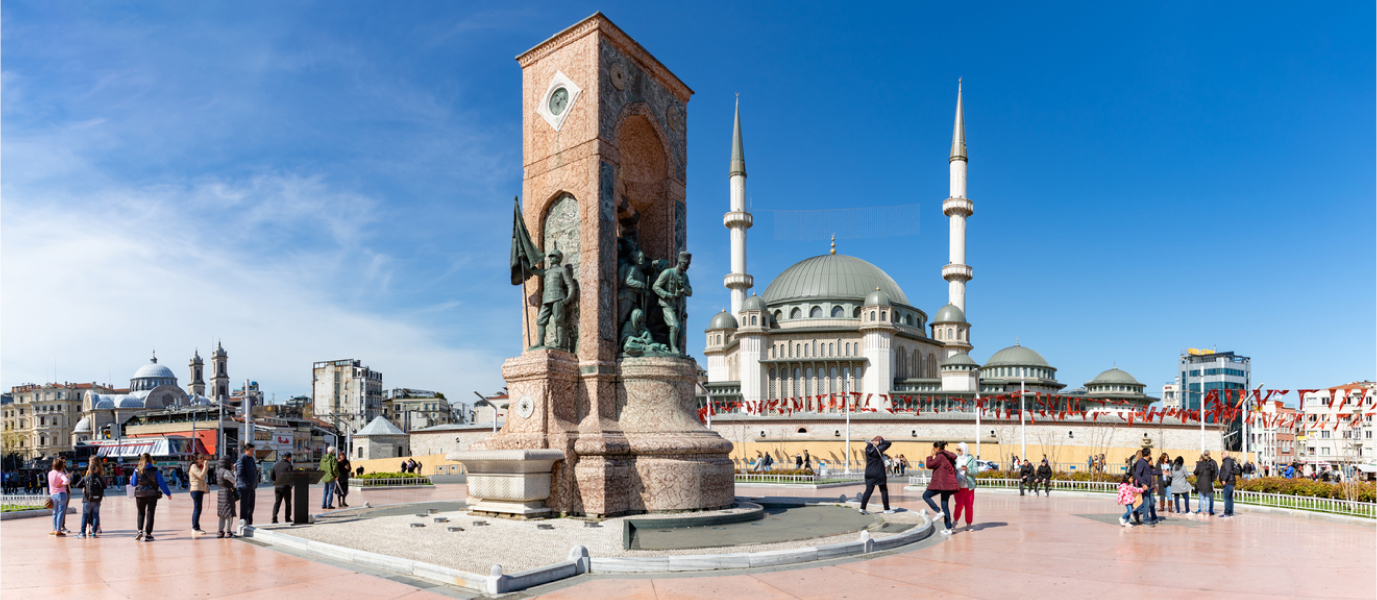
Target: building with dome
838 326
153 387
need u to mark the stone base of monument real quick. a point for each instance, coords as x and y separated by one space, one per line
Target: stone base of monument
508 483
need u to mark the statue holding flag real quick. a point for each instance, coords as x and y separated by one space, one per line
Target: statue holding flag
560 286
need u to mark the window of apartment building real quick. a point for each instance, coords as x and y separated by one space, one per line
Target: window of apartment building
1324 435
1369 434
1324 451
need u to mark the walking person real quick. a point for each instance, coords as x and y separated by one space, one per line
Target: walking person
875 475
1026 478
943 483
345 470
330 467
1228 475
149 486
246 483
1044 476
1205 472
282 485
226 497
1142 478
1180 485
965 484
196 483
1131 498
58 494
1162 471
92 492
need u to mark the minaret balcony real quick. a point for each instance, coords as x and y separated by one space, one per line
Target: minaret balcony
735 281
735 219
958 206
955 272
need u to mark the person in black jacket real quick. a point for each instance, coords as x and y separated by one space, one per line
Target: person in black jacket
1228 475
1044 476
92 492
1025 478
246 483
1205 473
875 475
282 485
1142 477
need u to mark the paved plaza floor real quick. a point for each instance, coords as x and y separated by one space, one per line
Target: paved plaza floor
1022 547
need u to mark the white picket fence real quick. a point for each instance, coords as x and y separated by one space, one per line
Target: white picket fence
24 500
1366 510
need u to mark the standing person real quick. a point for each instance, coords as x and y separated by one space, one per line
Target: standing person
330 467
807 461
875 472
943 483
798 461
1142 478
1044 476
226 496
1025 478
1180 485
1205 472
903 465
965 484
1014 464
58 480
1163 472
246 483
282 485
1228 475
149 486
196 483
359 471
92 492
346 469
1130 497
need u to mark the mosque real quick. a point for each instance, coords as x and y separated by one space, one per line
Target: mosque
837 324
153 387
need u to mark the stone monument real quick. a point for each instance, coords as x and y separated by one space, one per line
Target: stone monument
605 380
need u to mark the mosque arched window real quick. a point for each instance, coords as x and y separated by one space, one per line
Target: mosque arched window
838 312
872 315
830 352
753 320
772 384
856 313
796 314
778 315
815 312
882 316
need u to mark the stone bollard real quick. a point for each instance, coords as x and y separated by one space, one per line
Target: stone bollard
579 554
497 582
867 542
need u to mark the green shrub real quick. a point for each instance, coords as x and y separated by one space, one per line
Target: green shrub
414 479
776 472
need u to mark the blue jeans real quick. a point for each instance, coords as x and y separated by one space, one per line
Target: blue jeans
90 515
1206 496
946 498
60 510
327 499
1149 505
196 498
1129 509
1179 498
1229 500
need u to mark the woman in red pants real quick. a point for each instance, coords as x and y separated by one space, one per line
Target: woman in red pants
966 469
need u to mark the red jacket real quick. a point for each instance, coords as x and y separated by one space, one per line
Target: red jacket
943 473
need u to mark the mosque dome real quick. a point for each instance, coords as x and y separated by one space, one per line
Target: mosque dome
154 370
949 314
1017 355
960 359
754 302
834 277
1115 376
722 320
877 298
83 426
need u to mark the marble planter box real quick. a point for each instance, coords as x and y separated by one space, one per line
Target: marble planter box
508 482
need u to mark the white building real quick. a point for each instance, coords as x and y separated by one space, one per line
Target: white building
380 439
346 393
1337 432
1171 395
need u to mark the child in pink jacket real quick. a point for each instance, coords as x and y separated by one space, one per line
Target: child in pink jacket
1130 496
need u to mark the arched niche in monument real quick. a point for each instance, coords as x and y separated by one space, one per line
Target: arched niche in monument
642 182
560 231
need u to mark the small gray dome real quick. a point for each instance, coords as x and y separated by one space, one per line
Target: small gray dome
961 359
154 370
754 302
949 314
877 298
1017 355
1114 376
83 426
722 320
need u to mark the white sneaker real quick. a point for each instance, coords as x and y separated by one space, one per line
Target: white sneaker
863 511
946 532
889 511
1123 521
1128 524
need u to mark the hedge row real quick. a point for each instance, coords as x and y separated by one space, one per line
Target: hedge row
1366 491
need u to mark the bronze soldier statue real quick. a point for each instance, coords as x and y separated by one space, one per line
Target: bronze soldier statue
559 291
672 286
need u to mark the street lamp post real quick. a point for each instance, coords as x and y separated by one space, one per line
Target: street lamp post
1022 408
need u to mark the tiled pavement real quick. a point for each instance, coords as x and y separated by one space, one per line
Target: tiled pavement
1034 547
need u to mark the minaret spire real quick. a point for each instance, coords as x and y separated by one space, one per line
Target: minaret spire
738 220
958 133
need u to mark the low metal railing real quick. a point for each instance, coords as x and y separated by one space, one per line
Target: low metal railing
831 477
1325 505
23 500
389 481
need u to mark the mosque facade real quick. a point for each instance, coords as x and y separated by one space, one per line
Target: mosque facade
153 387
839 325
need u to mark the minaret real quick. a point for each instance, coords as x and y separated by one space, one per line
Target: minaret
197 387
738 220
958 207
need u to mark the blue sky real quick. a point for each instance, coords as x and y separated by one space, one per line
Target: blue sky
314 181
